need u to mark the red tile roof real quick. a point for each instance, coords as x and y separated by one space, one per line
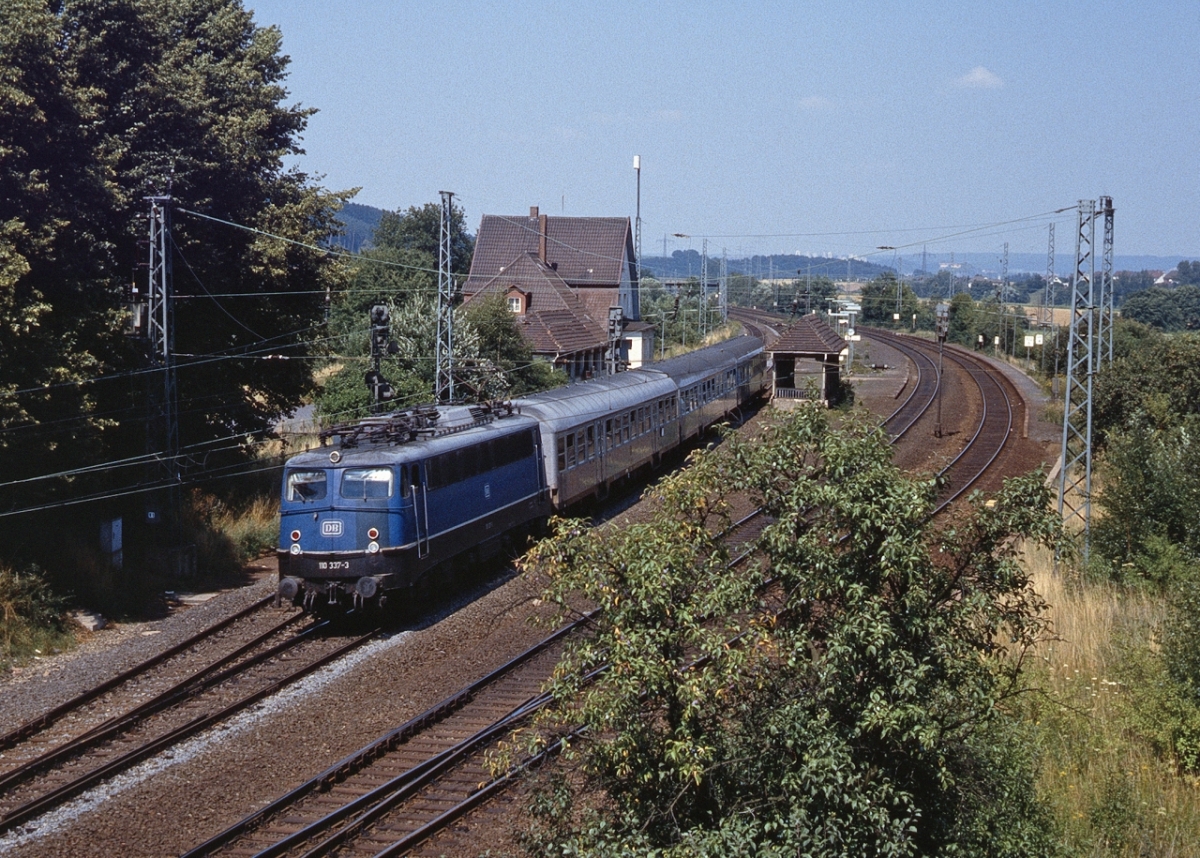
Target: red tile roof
586 251
556 320
571 268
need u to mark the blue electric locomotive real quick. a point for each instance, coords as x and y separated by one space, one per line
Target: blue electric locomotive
394 496
383 502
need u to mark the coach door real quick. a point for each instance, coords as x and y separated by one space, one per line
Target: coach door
420 498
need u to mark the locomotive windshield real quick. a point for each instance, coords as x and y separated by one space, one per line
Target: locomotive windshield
305 486
366 483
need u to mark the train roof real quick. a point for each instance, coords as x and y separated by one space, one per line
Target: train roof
695 365
590 400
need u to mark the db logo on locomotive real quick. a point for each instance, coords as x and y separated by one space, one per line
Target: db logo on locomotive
331 527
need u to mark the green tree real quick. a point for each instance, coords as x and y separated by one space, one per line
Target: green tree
965 321
501 343
1188 273
399 270
101 103
1150 496
1153 378
1166 309
878 302
419 229
861 713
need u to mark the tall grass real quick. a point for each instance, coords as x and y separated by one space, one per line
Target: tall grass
31 617
230 532
1111 792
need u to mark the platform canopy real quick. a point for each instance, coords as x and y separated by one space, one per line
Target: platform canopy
807 357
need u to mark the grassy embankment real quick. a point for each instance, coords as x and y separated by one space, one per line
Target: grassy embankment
1111 792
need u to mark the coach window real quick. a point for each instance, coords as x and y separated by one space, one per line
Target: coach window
591 442
305 486
367 483
571 450
608 434
562 454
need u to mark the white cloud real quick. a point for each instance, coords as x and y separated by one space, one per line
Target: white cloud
980 78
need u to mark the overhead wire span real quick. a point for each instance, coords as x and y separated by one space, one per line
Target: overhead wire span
316 248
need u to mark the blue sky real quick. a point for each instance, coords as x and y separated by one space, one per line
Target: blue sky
769 127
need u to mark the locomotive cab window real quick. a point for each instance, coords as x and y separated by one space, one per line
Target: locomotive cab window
367 483
305 486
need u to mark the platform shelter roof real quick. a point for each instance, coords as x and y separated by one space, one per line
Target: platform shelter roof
808 336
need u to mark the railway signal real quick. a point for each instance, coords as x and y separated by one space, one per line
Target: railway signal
381 390
943 330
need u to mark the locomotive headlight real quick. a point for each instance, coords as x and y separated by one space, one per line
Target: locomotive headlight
373 533
295 536
295 549
372 547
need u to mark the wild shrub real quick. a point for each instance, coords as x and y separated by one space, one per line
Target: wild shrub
31 614
865 713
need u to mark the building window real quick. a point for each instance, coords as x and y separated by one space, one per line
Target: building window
514 303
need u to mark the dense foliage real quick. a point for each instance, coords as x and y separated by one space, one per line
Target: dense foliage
681 317
879 303
1165 309
31 616
1187 273
399 271
861 715
103 102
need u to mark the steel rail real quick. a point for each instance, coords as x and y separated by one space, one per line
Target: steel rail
56 796
41 722
116 725
997 395
385 743
990 391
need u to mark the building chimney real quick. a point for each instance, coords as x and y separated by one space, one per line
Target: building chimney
533 211
542 238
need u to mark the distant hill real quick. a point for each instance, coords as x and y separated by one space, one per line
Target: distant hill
359 222
687 263
989 264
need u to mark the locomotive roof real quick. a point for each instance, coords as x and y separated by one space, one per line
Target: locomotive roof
456 431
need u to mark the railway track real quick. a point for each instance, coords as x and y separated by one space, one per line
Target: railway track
921 394
991 431
138 681
401 786
44 768
997 398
